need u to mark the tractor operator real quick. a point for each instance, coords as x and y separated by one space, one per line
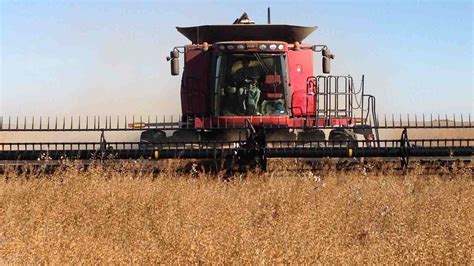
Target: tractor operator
252 96
242 98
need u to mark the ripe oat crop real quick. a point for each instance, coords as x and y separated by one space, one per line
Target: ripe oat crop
124 214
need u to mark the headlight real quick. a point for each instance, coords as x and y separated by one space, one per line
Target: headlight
240 47
221 47
230 47
262 47
273 46
281 46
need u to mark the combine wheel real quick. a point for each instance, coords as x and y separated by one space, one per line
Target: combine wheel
152 135
283 134
312 135
183 135
367 132
223 135
343 138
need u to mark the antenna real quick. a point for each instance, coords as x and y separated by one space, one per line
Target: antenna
269 20
197 33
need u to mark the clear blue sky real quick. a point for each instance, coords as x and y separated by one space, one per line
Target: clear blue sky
108 57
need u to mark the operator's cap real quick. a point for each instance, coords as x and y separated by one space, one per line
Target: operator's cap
231 90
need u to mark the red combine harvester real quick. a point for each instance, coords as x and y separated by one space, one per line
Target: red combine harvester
262 75
249 93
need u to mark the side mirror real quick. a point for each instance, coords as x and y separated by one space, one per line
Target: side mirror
174 55
326 65
327 57
175 66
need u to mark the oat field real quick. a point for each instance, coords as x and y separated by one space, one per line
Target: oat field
126 214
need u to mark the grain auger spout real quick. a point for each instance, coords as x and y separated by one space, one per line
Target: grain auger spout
249 93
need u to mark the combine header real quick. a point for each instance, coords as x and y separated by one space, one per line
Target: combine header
249 93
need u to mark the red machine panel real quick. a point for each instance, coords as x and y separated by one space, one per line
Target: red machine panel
194 86
300 67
